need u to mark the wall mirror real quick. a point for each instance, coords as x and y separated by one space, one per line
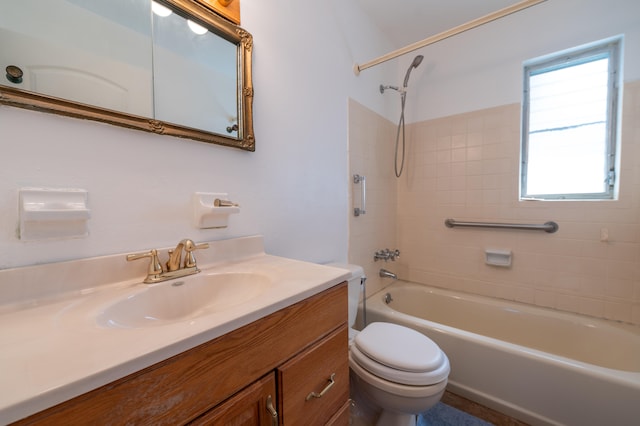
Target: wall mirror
170 67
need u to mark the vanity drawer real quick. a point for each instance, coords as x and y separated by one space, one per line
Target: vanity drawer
312 371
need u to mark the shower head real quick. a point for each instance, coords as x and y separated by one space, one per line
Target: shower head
416 61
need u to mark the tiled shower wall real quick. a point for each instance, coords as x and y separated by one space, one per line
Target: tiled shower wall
467 167
371 153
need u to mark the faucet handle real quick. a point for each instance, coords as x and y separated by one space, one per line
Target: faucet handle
189 248
155 267
394 254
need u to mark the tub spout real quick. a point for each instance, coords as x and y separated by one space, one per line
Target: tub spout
387 274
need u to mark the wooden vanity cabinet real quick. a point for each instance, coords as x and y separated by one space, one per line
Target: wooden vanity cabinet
235 379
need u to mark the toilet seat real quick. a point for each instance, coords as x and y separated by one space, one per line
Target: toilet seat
399 354
398 389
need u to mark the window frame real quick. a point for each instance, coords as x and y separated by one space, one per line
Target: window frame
611 49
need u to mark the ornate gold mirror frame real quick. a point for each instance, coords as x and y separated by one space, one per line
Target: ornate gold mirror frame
193 8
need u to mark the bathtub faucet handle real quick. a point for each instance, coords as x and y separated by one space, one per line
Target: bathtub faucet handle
386 255
380 255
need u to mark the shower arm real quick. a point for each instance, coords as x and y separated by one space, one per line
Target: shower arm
401 90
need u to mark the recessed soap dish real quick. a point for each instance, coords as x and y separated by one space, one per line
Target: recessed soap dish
498 257
53 213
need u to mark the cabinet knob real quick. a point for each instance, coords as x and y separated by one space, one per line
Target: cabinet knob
325 390
14 74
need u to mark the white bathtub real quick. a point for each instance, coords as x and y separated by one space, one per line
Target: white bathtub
538 365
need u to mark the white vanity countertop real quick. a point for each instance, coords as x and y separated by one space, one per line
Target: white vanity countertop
54 350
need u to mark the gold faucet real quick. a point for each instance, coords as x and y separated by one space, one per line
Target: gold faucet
174 267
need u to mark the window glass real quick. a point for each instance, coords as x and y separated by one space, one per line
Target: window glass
569 123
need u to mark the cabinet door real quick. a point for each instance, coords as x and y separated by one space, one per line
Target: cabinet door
252 406
314 385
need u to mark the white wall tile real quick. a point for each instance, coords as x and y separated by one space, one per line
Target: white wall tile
571 270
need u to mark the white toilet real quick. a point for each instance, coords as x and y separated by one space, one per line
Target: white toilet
396 372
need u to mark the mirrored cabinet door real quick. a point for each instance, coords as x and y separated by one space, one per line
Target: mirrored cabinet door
171 67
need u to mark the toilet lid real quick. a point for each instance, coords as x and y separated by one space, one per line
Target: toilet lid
399 354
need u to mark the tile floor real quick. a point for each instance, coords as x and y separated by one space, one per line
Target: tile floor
464 413
479 411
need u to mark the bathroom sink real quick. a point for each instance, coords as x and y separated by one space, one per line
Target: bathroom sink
183 299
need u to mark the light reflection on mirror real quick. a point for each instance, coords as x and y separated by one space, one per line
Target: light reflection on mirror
160 10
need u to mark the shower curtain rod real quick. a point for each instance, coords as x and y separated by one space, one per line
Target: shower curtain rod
449 33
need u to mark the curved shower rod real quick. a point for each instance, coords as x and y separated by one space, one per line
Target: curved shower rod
449 33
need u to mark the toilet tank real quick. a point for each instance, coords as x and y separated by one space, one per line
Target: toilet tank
355 284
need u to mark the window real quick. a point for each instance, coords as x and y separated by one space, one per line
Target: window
569 124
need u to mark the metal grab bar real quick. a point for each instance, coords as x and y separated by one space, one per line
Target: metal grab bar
549 227
357 211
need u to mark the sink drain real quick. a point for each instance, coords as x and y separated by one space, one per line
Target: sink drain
177 284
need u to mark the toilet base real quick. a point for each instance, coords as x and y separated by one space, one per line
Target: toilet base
389 418
364 414
372 406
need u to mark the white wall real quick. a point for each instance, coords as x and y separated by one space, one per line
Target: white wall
293 189
482 68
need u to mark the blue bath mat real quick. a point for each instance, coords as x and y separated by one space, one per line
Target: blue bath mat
445 415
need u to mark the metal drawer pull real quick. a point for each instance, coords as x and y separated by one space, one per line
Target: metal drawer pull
272 411
321 394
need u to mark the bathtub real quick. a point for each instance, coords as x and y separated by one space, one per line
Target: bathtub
538 365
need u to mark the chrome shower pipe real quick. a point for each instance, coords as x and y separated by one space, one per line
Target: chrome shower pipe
403 96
